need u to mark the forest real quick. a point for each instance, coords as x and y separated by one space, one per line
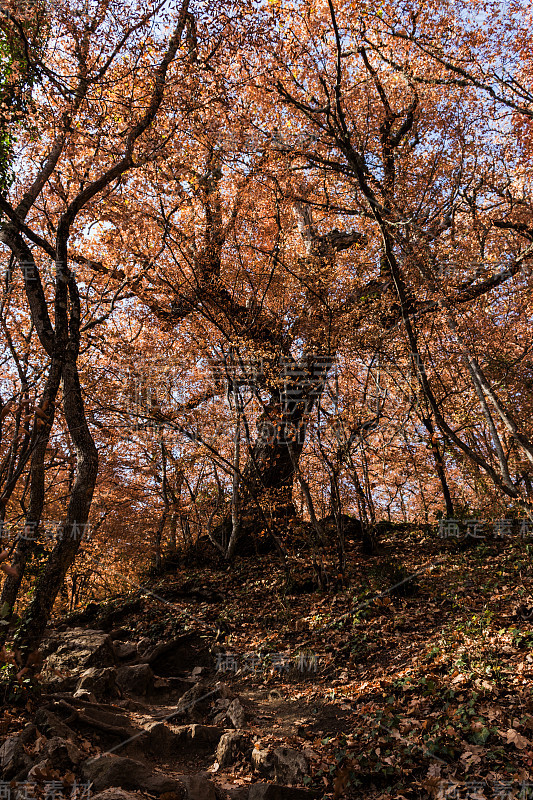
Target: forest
266 430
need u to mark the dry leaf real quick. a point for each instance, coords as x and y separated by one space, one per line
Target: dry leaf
519 741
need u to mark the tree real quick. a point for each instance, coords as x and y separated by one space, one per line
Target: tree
95 51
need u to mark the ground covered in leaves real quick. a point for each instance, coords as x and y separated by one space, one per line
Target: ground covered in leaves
390 686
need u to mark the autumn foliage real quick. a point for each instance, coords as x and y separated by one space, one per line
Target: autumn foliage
262 265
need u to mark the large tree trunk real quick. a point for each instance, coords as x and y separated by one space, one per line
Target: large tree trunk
268 477
266 485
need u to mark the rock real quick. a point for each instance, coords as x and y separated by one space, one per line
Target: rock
178 656
160 738
171 656
135 679
101 682
13 757
196 702
57 755
116 794
231 746
199 672
37 774
205 734
83 694
224 693
108 770
109 719
290 766
124 649
9 751
286 764
222 705
50 724
122 634
275 791
69 653
263 761
198 787
236 713
61 754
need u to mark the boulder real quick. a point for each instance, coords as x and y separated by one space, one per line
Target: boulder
124 650
61 754
284 763
236 713
263 761
232 745
69 653
13 757
162 739
205 734
135 679
51 725
108 770
198 787
196 702
100 682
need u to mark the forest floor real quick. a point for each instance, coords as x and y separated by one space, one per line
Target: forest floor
390 688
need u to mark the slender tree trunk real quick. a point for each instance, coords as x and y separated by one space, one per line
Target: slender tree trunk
172 531
439 466
62 556
235 498
26 543
158 537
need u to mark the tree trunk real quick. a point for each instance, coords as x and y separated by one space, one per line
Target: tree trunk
439 466
268 477
62 556
26 543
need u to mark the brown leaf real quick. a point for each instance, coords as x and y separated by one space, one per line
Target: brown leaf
519 741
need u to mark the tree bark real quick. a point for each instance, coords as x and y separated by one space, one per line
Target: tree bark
26 543
439 466
62 556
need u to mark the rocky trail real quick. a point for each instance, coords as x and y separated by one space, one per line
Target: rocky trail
217 684
113 717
